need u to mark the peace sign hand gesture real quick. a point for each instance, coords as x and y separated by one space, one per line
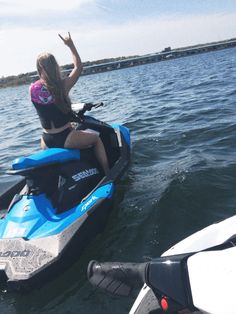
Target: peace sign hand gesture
67 40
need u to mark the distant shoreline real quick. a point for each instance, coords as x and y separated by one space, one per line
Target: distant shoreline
110 64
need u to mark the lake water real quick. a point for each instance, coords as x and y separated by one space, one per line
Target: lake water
182 177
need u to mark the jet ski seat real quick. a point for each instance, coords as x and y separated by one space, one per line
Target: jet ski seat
64 175
43 158
41 169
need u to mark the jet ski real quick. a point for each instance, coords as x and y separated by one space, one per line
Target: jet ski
62 201
196 274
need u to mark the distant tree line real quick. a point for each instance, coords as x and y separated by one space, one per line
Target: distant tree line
27 78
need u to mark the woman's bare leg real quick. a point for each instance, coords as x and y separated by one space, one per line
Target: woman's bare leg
42 143
83 139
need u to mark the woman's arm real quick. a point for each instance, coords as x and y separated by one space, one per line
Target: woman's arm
70 81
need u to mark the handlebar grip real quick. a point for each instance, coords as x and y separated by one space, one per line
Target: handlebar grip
99 104
88 106
117 278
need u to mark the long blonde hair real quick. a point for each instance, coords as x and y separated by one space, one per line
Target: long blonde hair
49 72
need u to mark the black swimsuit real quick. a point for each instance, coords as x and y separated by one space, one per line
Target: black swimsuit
56 140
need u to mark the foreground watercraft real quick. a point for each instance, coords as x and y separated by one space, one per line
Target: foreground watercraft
62 202
196 274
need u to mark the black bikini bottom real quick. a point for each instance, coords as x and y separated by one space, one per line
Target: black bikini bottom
56 140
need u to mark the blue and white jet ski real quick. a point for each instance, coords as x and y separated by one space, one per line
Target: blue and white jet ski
61 203
196 274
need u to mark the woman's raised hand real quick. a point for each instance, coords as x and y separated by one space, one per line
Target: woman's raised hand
67 40
72 78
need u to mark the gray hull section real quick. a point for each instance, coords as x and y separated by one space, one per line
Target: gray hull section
21 259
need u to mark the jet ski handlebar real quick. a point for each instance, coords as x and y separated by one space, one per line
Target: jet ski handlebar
115 277
166 276
81 108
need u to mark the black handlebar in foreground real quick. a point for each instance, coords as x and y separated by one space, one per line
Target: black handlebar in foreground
167 276
117 278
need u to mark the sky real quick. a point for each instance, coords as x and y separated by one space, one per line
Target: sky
107 28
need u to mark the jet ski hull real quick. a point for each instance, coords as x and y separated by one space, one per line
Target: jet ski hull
47 226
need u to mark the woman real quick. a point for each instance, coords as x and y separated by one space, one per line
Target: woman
50 96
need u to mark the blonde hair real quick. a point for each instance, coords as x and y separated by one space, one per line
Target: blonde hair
49 72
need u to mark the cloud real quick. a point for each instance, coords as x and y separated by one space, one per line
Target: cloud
96 40
24 7
150 35
51 14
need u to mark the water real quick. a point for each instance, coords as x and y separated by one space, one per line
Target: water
182 177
